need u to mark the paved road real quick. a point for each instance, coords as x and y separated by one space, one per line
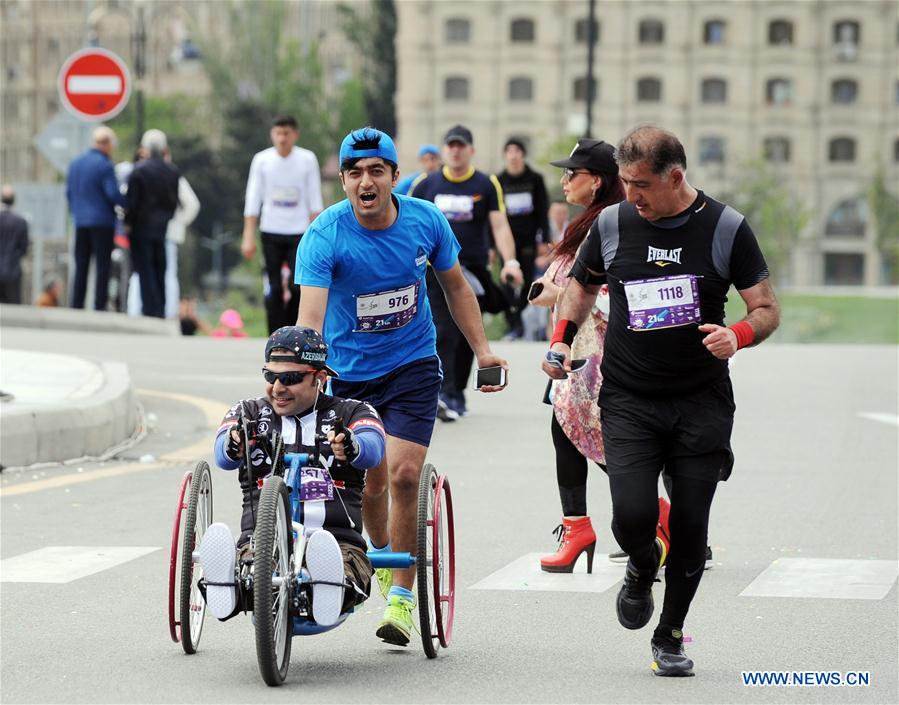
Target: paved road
816 478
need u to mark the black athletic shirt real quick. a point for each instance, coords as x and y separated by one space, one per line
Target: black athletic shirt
710 240
341 518
466 202
527 208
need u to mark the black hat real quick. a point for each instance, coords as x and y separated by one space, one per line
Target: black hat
306 345
518 143
594 155
458 133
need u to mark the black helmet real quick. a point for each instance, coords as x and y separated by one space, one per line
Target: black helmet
306 345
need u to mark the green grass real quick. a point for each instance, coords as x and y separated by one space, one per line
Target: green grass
805 318
808 318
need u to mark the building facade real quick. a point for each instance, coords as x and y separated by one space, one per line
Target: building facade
809 86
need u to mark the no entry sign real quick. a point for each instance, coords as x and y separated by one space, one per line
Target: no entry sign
94 84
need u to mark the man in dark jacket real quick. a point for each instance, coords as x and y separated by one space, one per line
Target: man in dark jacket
13 246
93 193
152 200
526 207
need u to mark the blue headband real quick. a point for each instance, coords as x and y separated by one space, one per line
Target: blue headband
385 149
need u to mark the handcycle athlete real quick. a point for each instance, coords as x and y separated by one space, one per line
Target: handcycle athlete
295 409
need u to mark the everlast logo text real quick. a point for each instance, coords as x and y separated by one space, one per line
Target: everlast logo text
663 257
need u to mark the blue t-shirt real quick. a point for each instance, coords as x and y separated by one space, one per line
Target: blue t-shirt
378 317
402 186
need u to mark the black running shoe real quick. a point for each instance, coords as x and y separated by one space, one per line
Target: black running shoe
668 657
635 604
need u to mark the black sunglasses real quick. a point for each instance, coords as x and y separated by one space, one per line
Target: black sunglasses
287 379
569 174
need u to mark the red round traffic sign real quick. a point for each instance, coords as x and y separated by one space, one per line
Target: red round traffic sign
94 84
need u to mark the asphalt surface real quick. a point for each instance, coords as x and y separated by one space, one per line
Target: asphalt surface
816 477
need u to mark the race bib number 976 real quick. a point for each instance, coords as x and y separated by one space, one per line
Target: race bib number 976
662 302
386 310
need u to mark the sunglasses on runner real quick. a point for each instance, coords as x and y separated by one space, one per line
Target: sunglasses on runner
569 174
287 379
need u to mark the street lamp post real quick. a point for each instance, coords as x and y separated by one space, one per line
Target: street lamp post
591 43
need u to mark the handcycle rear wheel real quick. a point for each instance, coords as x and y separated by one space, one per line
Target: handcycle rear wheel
197 519
435 561
271 598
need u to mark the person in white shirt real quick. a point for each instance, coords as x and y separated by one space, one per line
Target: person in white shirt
284 195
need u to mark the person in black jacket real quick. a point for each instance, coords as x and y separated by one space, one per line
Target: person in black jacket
152 200
13 246
527 206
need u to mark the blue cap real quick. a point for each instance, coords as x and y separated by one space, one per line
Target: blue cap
428 149
371 143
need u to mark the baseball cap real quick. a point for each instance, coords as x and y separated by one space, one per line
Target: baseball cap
458 133
428 149
594 155
368 142
306 346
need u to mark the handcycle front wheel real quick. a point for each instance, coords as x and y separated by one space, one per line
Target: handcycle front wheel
196 510
435 561
272 581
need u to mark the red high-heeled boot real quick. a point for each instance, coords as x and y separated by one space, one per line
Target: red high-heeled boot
575 537
663 535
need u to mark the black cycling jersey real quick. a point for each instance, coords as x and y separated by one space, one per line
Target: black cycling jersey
709 240
342 516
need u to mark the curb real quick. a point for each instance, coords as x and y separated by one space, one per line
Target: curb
81 320
42 434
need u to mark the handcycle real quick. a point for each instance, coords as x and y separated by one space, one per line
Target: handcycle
280 599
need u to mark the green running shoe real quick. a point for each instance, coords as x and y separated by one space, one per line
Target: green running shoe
396 627
385 580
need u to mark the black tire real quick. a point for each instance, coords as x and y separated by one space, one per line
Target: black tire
196 521
423 560
271 603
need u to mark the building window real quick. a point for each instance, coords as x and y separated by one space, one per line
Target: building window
896 151
846 37
896 97
844 91
521 30
711 150
844 268
651 32
457 30
714 90
780 33
580 30
455 88
848 219
521 89
713 32
841 149
649 90
777 150
580 89
779 91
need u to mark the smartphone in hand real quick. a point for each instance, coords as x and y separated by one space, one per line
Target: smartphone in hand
535 290
490 377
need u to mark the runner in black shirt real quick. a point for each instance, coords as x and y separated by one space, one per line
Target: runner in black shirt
527 207
669 253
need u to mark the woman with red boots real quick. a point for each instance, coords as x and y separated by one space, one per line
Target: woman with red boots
590 180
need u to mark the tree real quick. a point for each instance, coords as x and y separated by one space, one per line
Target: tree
885 212
776 215
372 29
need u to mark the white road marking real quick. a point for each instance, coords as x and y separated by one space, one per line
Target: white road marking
525 574
825 578
890 419
63 564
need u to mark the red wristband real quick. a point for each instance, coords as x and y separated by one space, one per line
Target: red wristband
564 332
745 334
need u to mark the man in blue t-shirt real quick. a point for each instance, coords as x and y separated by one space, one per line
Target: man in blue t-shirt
361 268
428 159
